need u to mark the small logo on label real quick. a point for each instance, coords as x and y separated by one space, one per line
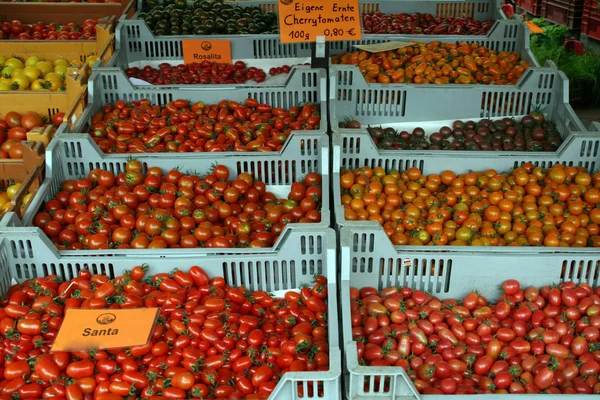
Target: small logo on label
106 318
206 46
286 2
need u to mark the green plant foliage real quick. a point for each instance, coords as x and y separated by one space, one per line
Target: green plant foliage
583 71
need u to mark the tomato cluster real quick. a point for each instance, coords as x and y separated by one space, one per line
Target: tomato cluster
203 73
14 128
530 133
158 210
531 341
141 127
16 30
438 63
531 206
211 340
422 24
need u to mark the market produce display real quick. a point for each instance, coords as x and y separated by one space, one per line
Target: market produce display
206 17
528 341
530 206
15 128
529 133
60 1
32 74
167 209
15 30
416 221
438 63
422 24
212 340
180 126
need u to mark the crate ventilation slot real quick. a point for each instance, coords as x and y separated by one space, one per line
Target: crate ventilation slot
311 245
261 275
309 147
386 163
21 249
581 271
502 104
350 145
380 102
363 242
589 148
73 150
428 274
446 10
272 48
163 49
271 172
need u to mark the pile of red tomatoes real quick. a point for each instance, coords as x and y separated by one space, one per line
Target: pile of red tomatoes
180 126
154 209
530 341
211 340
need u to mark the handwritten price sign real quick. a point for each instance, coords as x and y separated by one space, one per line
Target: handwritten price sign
304 20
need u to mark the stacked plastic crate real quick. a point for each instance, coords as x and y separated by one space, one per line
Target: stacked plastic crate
302 250
372 125
367 104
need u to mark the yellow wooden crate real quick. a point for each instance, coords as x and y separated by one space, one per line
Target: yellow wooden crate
29 171
63 13
71 50
47 103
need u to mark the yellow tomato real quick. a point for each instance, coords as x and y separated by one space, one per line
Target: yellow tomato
45 67
14 62
7 72
26 201
20 82
2 61
17 72
40 84
3 198
53 75
32 73
91 60
60 70
56 84
31 61
4 208
12 190
4 86
61 62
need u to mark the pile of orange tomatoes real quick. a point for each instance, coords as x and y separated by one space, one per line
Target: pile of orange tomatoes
439 63
531 206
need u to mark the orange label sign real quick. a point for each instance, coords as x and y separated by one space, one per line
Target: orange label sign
304 20
218 51
533 28
105 329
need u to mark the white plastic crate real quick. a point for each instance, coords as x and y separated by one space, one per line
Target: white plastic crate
553 102
511 36
369 259
374 104
107 85
136 40
70 156
303 253
136 44
482 10
579 149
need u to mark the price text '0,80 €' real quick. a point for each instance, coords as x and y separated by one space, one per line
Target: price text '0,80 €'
305 20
